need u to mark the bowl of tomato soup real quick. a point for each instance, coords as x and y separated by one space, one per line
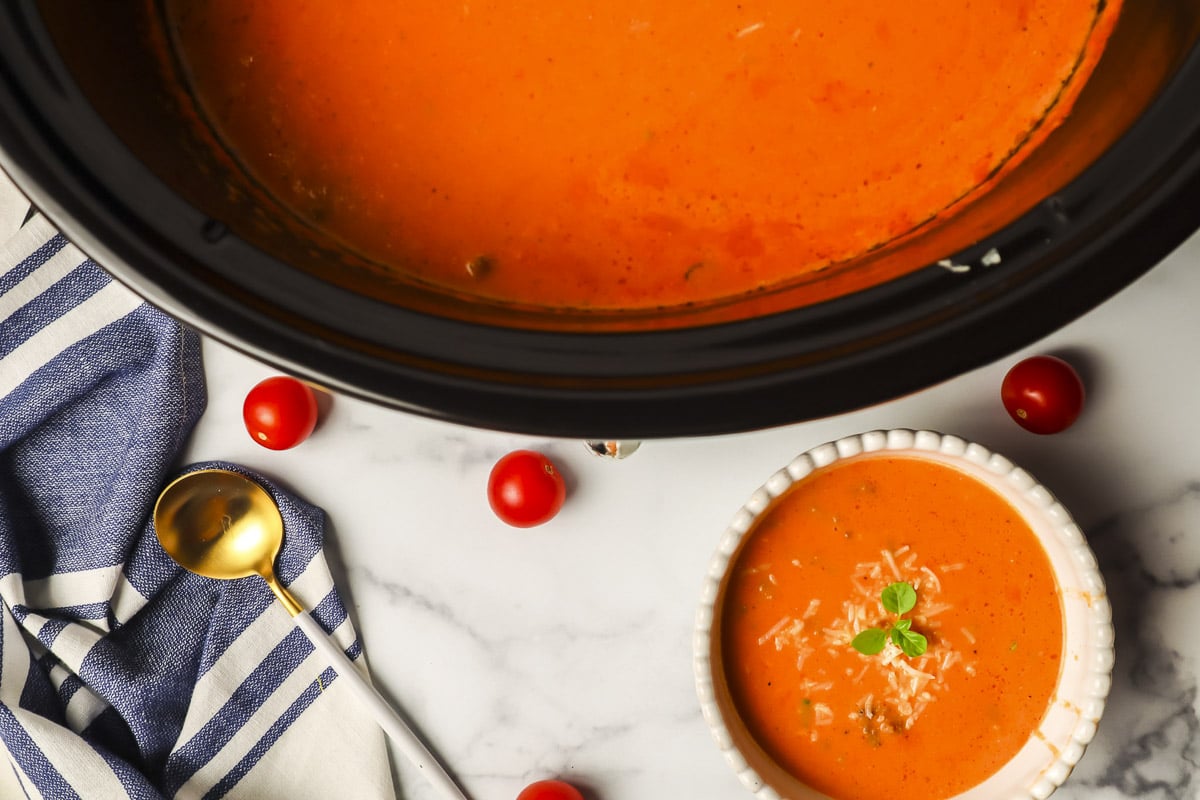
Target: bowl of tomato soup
903 613
612 219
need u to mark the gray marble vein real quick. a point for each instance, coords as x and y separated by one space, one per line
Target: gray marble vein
1148 744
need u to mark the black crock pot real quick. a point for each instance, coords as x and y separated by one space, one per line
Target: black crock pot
95 132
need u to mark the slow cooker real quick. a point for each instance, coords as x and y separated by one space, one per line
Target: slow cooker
106 144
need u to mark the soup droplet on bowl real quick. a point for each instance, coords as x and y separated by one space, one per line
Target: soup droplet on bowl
903 612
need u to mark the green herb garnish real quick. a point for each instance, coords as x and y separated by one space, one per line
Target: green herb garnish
899 599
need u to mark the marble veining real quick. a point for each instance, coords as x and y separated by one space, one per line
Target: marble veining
1149 744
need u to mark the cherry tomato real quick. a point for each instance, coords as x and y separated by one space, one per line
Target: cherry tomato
525 489
280 412
550 790
1044 394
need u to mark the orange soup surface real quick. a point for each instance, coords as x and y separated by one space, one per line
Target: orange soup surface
625 154
809 579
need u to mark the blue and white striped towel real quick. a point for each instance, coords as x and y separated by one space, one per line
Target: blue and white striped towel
121 675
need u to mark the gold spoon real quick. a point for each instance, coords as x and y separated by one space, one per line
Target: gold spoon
221 524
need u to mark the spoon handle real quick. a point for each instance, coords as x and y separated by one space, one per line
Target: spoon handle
395 727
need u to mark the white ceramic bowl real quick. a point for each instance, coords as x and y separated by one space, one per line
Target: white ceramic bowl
1069 724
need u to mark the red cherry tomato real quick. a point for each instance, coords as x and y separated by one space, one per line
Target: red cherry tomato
1044 394
525 489
280 412
550 790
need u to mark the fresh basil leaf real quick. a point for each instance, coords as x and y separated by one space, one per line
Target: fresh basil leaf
899 598
890 598
913 644
903 624
870 642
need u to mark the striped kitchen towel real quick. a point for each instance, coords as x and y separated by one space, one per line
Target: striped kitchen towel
122 675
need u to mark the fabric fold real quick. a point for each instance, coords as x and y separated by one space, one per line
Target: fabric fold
121 674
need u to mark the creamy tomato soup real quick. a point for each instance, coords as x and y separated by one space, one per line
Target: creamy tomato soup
809 579
625 154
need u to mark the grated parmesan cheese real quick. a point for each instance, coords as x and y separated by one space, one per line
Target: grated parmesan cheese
774 629
933 609
891 562
909 685
934 583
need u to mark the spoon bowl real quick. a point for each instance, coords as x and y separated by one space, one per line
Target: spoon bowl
220 524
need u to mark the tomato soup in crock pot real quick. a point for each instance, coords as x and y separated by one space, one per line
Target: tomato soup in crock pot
810 578
623 155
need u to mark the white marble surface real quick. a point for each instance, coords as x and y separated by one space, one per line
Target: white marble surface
565 650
